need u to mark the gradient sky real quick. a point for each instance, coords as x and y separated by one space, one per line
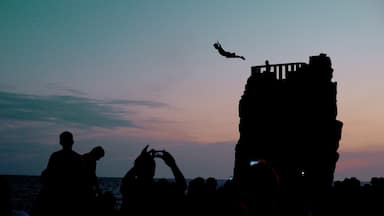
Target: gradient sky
123 74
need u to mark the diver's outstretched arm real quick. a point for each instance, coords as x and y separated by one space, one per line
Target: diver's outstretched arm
242 57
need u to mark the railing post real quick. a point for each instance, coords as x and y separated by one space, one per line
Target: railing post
280 71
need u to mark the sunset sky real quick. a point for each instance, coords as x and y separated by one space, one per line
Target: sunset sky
124 74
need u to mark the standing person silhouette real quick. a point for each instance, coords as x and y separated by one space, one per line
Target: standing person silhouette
63 181
227 54
142 195
93 192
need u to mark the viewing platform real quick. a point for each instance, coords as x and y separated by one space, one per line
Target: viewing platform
280 70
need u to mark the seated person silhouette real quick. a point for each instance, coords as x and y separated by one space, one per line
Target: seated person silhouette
222 52
142 195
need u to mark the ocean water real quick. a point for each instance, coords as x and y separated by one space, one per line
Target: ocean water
25 189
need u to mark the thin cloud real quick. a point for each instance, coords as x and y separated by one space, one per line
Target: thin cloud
74 91
146 103
74 110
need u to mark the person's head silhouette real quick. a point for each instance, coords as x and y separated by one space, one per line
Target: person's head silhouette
145 165
97 152
66 140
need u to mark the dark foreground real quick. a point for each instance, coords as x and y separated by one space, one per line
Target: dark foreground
349 197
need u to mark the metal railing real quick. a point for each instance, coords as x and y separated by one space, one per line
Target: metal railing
280 70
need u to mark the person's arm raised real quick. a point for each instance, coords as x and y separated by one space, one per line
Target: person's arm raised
131 176
179 177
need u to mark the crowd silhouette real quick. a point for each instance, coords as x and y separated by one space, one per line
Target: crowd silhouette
70 187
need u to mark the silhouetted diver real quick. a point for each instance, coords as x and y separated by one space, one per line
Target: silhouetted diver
222 52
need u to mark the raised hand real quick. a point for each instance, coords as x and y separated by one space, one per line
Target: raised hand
168 159
144 156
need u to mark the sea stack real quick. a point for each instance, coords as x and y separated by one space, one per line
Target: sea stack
288 118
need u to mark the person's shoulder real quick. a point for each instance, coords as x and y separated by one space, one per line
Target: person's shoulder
85 156
56 157
56 154
76 155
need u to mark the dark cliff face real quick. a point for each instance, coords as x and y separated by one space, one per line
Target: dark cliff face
288 118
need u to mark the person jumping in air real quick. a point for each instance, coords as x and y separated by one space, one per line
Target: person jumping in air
227 54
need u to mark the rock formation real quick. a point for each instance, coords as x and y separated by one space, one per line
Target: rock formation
288 118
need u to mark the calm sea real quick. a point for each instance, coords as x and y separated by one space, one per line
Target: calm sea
24 189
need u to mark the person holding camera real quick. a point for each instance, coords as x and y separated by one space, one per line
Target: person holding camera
142 195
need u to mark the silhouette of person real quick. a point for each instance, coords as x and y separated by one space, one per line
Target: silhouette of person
63 181
5 197
259 190
105 205
142 195
227 54
90 159
267 66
